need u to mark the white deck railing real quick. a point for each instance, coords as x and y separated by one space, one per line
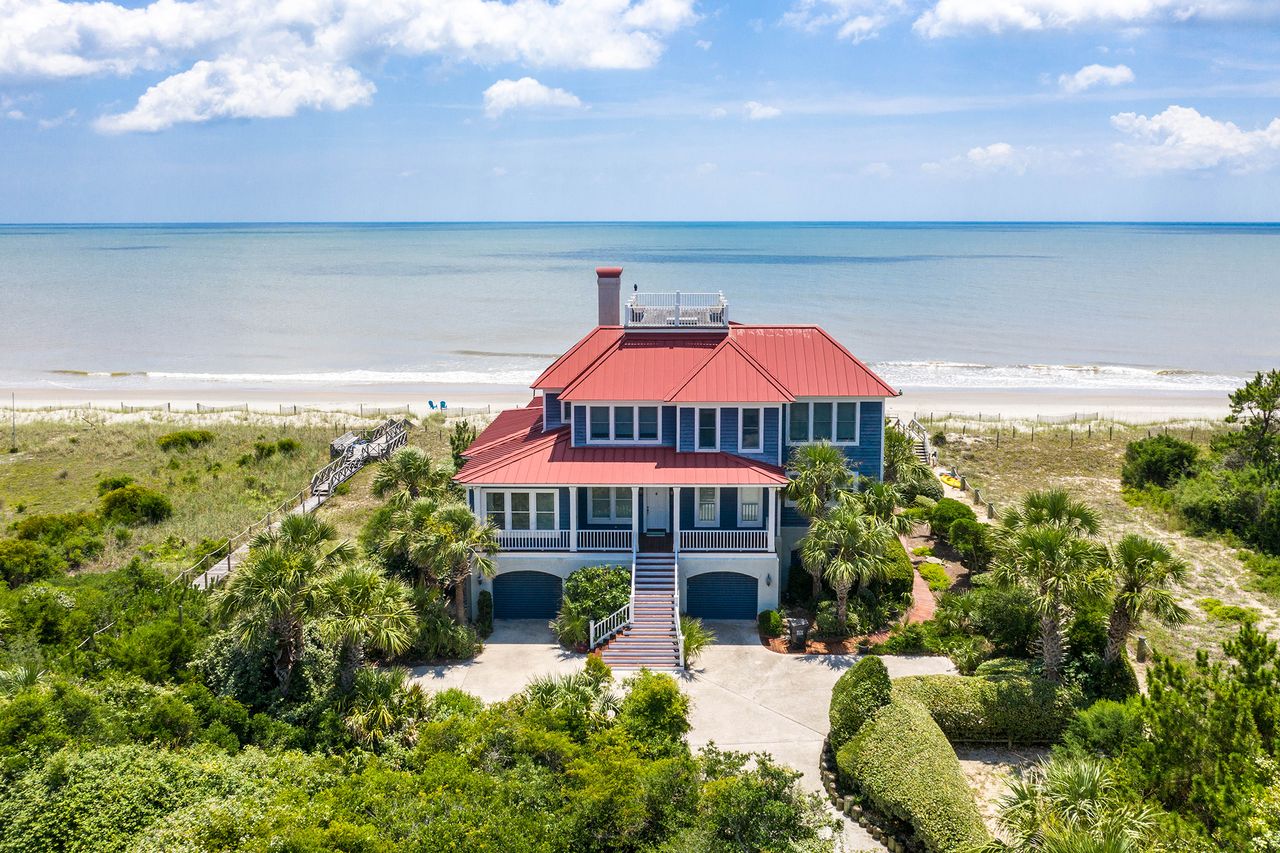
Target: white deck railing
615 621
724 540
674 310
533 540
675 614
604 540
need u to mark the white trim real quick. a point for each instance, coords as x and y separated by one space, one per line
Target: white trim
759 522
834 401
759 429
697 507
613 517
697 428
635 424
533 508
566 412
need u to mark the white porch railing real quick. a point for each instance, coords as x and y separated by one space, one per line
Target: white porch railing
604 540
615 621
675 614
533 540
667 310
724 540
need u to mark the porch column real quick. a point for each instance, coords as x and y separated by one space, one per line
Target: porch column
478 510
675 526
635 519
573 518
773 517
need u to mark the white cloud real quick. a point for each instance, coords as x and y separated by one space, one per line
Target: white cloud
953 17
853 20
1180 138
717 112
996 158
240 88
706 168
702 44
757 111
56 121
525 94
320 41
15 115
498 171
877 170
1095 75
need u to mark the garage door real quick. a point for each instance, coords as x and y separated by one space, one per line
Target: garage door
526 595
722 595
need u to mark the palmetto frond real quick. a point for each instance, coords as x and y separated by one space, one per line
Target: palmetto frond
818 472
360 604
1052 508
1144 572
409 474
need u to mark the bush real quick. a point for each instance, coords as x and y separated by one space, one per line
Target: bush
484 613
923 486
655 712
972 709
826 624
900 576
696 638
73 535
935 575
861 691
1105 728
23 561
901 761
972 539
939 438
1219 612
1264 569
133 505
1161 461
184 439
111 483
913 638
263 450
1006 617
597 591
287 446
439 637
946 512
770 623
999 668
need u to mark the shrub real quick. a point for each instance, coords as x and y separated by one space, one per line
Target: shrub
1160 460
184 439
972 539
770 623
924 486
73 535
133 505
1006 617
935 575
263 450
922 551
697 637
826 623
946 512
23 561
939 438
113 482
484 613
287 446
1105 728
438 636
972 709
1264 569
998 668
861 691
1219 612
596 591
913 638
655 712
901 761
900 576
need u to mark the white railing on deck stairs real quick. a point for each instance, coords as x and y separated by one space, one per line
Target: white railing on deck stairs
615 621
675 615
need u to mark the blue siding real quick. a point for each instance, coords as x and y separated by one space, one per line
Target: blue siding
579 426
729 430
550 410
669 429
772 436
769 445
686 431
864 457
584 514
791 517
728 509
565 509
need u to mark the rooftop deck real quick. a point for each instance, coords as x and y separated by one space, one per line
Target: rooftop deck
677 311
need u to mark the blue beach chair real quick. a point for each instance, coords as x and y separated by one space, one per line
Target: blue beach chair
432 404
443 405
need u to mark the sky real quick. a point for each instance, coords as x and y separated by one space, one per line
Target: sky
224 110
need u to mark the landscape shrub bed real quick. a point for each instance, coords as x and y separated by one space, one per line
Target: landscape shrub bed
858 693
133 505
770 623
1008 709
590 594
947 512
902 763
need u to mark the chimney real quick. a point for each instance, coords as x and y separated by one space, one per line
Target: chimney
609 285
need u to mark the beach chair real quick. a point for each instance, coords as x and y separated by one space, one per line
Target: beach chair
443 406
432 404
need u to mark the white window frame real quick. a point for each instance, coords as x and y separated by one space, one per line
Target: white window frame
759 448
635 424
533 508
697 506
759 522
566 412
697 429
612 517
834 401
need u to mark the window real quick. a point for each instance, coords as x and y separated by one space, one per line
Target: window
495 509
708 506
648 417
610 505
566 413
824 421
599 423
821 421
708 429
798 426
749 507
521 510
847 422
624 424
749 438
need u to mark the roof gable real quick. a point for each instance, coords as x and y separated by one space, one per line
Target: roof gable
569 366
642 366
810 363
730 375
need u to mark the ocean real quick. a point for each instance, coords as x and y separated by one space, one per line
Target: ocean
1143 307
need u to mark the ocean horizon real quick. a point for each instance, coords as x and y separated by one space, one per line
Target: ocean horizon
1146 306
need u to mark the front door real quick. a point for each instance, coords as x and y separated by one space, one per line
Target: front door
657 511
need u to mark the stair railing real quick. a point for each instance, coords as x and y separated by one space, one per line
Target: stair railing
675 615
615 621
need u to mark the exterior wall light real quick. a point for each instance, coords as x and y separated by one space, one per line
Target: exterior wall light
768 579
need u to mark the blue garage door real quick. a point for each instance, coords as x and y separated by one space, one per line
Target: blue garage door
722 595
526 595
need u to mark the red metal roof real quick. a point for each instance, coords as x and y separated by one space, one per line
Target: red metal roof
547 459
642 366
730 375
569 366
810 363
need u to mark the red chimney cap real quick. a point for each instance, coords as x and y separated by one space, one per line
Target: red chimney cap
608 272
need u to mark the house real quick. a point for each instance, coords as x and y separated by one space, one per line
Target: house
659 442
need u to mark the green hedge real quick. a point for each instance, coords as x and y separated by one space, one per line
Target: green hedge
857 695
901 575
1009 709
901 762
947 512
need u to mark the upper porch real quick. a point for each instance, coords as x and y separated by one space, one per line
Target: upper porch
677 311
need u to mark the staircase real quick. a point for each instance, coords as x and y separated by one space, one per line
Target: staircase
650 640
922 451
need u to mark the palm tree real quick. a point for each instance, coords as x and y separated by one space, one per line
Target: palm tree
880 501
304 532
463 545
818 473
1060 570
272 593
411 534
408 474
381 704
848 546
1051 508
363 608
1144 571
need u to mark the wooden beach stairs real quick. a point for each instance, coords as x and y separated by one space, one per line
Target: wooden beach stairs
356 451
650 640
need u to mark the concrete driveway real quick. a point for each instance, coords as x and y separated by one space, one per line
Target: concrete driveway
518 650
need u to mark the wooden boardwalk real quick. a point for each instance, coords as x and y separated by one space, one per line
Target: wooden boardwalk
358 450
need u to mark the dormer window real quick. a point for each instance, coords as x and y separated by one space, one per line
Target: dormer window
831 420
624 424
708 429
750 438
